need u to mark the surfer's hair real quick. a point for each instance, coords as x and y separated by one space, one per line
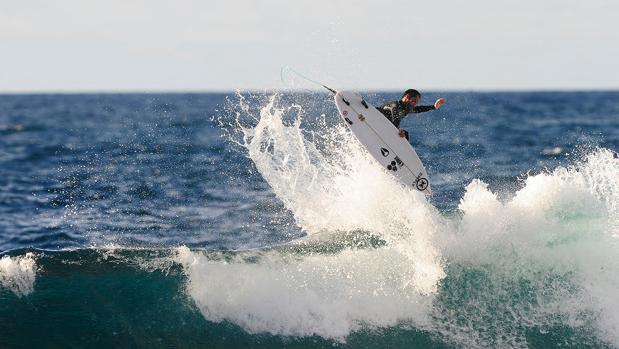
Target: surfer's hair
411 93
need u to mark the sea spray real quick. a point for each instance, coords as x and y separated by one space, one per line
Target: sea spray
18 273
335 189
338 187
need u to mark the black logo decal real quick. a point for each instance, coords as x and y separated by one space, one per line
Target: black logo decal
400 163
384 151
348 121
361 117
421 184
393 166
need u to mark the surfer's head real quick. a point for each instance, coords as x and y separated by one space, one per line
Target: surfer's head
411 97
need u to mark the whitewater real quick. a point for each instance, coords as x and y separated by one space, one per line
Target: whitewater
543 258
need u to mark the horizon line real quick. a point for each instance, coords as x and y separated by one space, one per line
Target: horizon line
297 90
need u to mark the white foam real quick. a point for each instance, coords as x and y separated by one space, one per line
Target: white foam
557 235
547 255
326 295
344 190
18 273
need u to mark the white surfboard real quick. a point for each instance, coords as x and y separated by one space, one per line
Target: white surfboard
380 137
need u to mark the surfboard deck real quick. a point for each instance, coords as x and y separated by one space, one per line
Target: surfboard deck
380 137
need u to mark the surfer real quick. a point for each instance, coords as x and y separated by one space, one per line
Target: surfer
395 111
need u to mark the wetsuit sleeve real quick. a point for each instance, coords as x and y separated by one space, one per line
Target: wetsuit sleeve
423 108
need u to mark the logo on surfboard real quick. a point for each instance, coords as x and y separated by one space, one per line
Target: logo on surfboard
421 184
384 151
393 166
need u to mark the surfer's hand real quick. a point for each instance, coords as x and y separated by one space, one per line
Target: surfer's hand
438 103
401 133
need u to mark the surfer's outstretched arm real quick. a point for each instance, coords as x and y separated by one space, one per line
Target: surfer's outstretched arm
425 108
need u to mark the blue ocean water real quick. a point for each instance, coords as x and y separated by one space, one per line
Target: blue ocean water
256 220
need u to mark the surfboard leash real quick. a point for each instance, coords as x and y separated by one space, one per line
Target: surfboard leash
304 78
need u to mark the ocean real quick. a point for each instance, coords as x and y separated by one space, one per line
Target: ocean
256 220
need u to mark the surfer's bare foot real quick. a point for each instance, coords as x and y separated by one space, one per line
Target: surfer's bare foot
401 133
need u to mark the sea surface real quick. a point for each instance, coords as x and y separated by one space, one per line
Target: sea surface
256 220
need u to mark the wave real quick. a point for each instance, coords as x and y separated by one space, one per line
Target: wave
380 264
544 257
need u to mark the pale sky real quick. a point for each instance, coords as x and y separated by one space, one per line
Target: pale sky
186 45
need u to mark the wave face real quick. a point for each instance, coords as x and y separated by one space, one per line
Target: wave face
298 238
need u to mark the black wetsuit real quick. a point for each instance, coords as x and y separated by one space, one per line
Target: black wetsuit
397 110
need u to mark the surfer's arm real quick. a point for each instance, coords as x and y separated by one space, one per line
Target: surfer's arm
423 108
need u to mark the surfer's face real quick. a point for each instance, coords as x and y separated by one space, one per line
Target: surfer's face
412 101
